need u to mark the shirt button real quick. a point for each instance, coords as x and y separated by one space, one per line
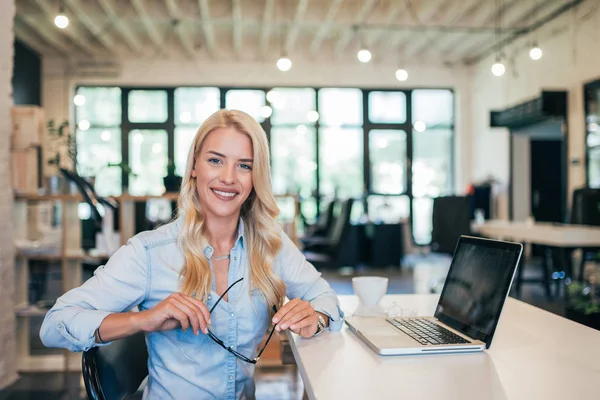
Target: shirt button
232 314
230 377
209 297
234 258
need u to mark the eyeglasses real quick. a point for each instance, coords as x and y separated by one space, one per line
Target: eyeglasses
230 348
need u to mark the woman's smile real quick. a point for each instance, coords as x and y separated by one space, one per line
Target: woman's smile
224 194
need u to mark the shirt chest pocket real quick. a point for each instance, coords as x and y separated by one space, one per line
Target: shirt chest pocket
257 312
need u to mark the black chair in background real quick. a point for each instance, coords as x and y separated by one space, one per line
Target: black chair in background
451 218
585 210
322 228
327 252
116 371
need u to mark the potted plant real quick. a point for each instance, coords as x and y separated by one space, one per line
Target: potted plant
583 303
62 151
172 181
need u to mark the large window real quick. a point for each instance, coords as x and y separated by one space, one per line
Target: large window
592 143
293 145
432 131
192 107
392 148
98 137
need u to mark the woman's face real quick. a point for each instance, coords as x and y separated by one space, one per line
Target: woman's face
223 172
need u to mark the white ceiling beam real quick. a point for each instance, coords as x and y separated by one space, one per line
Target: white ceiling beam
476 13
132 41
94 28
24 34
50 35
516 13
236 13
209 36
348 35
267 23
419 17
445 16
326 24
393 15
148 23
175 15
292 33
456 52
72 31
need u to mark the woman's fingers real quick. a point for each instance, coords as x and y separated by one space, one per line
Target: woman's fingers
296 316
304 323
281 314
180 304
296 313
203 323
201 306
180 316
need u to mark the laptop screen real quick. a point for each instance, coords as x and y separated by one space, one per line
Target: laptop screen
476 286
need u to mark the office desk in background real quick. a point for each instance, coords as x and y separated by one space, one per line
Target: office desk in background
543 233
534 355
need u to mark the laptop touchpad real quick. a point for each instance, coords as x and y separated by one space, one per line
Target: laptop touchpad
388 337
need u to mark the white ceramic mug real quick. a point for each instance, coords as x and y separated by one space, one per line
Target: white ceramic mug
369 289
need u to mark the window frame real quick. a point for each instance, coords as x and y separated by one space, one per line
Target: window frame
367 126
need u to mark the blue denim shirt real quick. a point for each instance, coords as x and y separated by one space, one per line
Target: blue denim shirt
182 365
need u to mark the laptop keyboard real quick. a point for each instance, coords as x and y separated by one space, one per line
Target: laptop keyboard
425 331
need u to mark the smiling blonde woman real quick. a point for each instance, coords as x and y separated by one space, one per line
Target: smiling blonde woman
207 285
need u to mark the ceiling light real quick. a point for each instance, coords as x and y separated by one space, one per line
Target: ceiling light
79 99
84 125
284 64
402 75
364 55
272 96
498 68
312 116
266 111
301 129
105 136
61 20
535 53
420 126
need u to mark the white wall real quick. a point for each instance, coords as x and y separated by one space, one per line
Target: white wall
570 59
58 86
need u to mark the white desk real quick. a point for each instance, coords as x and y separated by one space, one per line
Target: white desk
534 355
557 235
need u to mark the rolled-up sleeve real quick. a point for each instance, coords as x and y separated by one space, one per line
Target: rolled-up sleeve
304 281
118 286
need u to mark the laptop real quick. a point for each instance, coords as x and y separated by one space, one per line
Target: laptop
467 312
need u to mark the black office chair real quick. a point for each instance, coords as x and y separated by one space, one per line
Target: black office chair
451 218
116 371
327 253
319 232
585 210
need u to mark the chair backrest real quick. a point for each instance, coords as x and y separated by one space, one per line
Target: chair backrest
451 219
585 209
328 217
341 227
116 371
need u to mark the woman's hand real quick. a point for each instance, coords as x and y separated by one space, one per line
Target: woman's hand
297 315
177 310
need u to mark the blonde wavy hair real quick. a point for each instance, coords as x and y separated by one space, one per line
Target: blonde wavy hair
262 238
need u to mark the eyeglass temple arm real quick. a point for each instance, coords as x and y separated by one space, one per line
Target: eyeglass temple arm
224 293
269 338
